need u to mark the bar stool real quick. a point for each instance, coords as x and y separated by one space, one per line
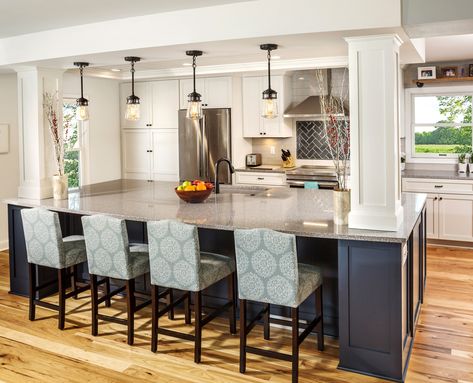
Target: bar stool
177 263
268 272
45 246
110 255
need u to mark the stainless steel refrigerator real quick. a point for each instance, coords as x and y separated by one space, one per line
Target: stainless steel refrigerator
202 142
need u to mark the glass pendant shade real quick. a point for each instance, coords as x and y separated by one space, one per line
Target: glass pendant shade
194 110
132 112
269 108
82 113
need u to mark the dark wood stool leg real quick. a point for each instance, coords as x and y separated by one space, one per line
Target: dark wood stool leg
130 305
187 308
154 316
74 279
295 344
108 301
170 300
62 297
319 303
243 334
266 322
32 290
95 308
198 326
232 298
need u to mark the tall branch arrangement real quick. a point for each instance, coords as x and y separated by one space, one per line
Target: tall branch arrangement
336 127
51 108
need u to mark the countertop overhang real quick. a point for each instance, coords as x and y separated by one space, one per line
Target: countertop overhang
305 213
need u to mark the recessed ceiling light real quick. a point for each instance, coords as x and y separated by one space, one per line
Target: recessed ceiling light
301 78
187 64
115 70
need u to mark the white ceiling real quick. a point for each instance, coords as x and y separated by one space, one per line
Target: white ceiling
27 16
449 48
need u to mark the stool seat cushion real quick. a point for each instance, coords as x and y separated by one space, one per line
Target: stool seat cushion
74 250
310 278
213 268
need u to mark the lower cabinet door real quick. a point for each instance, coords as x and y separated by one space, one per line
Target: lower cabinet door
165 155
432 216
455 217
136 152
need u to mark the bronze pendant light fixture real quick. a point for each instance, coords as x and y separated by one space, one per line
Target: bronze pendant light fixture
82 104
269 107
194 106
132 102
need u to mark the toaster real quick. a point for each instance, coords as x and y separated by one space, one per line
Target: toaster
253 159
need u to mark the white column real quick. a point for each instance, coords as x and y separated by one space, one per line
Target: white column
36 148
374 123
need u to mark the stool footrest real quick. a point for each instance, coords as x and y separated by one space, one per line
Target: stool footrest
256 319
309 329
77 291
113 293
176 334
109 318
171 305
215 313
142 305
269 353
47 305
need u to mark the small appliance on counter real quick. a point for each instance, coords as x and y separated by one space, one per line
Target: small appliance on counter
253 159
287 159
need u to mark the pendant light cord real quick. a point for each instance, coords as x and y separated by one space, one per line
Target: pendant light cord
132 78
194 65
81 81
269 69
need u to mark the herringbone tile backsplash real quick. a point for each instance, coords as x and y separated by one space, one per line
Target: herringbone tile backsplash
311 141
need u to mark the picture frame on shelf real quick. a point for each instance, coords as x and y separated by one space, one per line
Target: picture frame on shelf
426 73
449 71
470 70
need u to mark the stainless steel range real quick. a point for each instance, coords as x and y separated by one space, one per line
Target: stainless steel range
325 176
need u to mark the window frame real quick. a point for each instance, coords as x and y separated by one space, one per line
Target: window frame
410 94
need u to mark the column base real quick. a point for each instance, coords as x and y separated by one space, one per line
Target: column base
371 219
36 190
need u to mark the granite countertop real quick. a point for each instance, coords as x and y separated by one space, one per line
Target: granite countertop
437 174
299 211
263 169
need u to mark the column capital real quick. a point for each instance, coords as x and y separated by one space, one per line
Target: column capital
390 37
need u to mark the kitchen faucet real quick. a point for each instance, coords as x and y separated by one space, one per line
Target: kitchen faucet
232 170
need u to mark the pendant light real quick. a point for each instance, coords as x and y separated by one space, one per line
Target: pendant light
269 105
82 104
132 102
194 106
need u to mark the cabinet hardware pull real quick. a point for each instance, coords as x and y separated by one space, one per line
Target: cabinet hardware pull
438 186
435 198
261 178
440 198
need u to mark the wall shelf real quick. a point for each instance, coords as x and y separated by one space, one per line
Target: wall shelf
443 80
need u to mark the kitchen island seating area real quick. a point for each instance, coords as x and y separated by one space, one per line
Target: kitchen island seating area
266 261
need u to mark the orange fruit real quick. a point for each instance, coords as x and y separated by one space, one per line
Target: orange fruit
189 188
201 186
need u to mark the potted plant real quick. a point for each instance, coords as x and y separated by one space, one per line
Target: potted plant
337 133
462 165
59 181
403 161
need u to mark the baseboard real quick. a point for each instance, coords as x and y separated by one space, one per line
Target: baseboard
444 243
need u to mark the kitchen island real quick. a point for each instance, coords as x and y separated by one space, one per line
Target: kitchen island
373 280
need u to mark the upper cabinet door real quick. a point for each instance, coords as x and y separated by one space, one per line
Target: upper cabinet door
217 92
186 86
165 104
143 91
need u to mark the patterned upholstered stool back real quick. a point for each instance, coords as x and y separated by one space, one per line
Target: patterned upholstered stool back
267 266
106 241
43 237
174 255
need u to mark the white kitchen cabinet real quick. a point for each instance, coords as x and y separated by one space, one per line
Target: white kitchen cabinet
432 216
255 126
150 154
165 157
261 178
455 217
216 92
144 91
159 103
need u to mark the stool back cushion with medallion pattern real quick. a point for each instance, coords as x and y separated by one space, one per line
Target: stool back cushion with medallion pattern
43 237
106 240
174 255
267 266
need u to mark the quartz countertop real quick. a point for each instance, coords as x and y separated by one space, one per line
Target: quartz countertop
437 174
302 212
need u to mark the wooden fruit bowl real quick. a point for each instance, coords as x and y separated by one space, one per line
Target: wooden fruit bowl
197 196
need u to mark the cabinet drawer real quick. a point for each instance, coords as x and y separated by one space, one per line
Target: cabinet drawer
276 179
436 186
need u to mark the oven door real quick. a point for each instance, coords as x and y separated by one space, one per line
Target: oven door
322 184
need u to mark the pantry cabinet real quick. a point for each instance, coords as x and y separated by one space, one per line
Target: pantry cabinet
216 92
159 103
449 207
254 125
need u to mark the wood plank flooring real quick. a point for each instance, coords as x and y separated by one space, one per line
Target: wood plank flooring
37 351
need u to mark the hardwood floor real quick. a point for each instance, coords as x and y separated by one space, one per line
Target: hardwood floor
38 351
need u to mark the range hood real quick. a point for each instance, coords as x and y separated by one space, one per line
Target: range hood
309 108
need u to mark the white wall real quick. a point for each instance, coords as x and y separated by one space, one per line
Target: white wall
102 156
9 163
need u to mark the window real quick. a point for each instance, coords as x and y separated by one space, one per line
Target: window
441 125
72 143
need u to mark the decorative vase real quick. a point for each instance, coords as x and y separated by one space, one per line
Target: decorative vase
462 168
341 206
60 187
